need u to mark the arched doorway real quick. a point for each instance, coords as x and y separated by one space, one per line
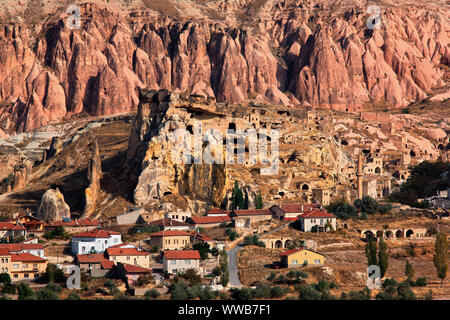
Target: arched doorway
399 233
409 233
389 234
278 244
305 187
379 234
287 243
377 170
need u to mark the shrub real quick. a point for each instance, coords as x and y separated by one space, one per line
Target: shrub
9 289
254 240
272 276
322 286
73 296
232 234
307 292
342 209
241 294
152 294
54 287
421 282
203 249
46 294
178 292
24 291
278 292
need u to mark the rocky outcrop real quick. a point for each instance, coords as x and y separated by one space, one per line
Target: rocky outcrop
94 174
285 53
55 147
52 206
152 150
22 174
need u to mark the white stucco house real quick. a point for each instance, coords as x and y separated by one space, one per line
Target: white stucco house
98 240
318 218
181 260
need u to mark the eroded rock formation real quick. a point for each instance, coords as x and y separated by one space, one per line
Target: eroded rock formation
52 206
286 52
94 174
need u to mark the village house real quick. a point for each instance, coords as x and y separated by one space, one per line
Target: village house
10 231
175 261
73 226
34 226
94 241
131 273
128 256
253 215
178 216
170 239
170 224
301 257
208 221
35 249
21 266
87 262
317 218
290 212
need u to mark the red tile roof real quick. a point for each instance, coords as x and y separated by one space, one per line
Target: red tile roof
91 258
4 252
209 219
106 264
201 236
10 226
33 223
125 252
317 214
184 254
95 234
252 212
218 211
129 268
26 257
74 223
168 222
17 247
292 251
168 233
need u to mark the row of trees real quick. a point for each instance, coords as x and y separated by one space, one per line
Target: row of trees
360 208
379 256
240 201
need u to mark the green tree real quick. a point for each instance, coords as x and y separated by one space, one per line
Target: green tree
409 270
53 274
342 209
366 205
383 258
371 253
46 294
73 296
5 278
258 201
223 264
440 256
203 249
238 200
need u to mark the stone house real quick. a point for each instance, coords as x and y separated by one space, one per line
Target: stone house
9 231
170 239
131 273
174 261
128 256
170 224
316 218
253 214
21 266
208 221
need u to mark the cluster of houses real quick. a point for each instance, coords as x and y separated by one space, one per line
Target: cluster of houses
102 252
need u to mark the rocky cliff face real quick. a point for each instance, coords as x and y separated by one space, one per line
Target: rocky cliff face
152 150
315 52
52 206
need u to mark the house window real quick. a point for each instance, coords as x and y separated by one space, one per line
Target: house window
114 258
35 265
188 261
16 275
294 262
128 258
36 275
317 261
3 260
116 240
15 266
26 275
305 261
25 265
173 261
